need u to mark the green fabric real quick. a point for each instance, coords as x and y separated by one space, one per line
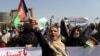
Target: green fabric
89 44
16 20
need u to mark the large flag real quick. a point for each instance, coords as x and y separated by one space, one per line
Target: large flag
21 12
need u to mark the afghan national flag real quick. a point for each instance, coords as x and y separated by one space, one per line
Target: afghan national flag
21 12
91 42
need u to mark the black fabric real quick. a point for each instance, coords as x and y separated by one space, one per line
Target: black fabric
63 29
27 28
27 36
98 28
0 39
76 41
46 50
12 42
24 7
80 41
63 32
96 38
97 35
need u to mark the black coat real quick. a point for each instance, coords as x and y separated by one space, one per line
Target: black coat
12 42
46 50
27 36
96 36
79 41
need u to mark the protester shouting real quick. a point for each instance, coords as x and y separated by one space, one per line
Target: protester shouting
53 46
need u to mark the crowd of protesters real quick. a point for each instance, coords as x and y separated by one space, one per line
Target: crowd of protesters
53 38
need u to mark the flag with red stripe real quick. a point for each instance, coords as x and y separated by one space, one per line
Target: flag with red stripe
21 12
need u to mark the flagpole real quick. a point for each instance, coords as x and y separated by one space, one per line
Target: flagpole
95 40
52 17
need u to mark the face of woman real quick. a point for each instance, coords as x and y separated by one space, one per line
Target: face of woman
54 33
76 34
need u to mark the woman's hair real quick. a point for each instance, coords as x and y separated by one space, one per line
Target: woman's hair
27 36
54 26
92 26
74 29
57 25
27 28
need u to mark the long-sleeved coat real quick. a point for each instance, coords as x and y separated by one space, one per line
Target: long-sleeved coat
47 49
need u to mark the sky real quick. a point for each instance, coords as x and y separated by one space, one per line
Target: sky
57 8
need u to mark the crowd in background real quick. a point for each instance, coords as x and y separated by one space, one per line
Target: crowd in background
54 37
24 35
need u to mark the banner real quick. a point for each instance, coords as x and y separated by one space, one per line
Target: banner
20 51
36 51
78 20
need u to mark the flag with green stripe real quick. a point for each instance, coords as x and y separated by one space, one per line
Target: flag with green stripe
21 12
90 42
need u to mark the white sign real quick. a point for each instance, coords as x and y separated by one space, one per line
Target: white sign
42 23
77 20
73 51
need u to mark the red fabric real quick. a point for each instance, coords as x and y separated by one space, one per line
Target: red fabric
2 44
20 5
21 13
92 41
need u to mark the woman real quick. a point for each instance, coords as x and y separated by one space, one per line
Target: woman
24 37
76 37
27 37
14 40
53 46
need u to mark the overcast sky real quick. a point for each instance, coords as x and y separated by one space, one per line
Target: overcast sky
58 8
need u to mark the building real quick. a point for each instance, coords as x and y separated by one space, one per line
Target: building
4 19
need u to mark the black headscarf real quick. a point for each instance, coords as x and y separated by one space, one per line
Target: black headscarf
27 36
27 28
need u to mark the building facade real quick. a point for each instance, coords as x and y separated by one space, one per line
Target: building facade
4 19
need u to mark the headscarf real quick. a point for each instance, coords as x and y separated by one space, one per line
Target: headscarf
58 47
